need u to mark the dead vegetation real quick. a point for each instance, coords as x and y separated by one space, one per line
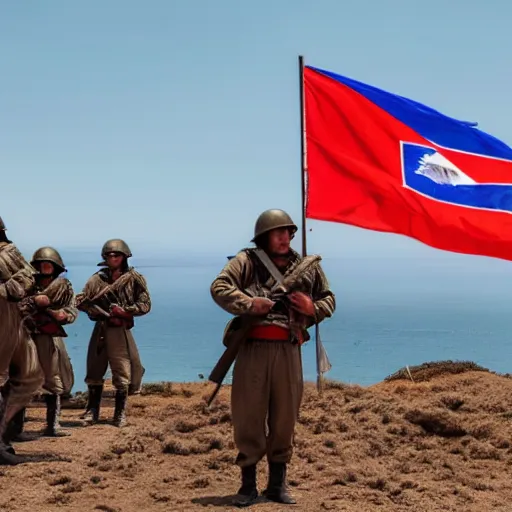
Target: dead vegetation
428 371
442 442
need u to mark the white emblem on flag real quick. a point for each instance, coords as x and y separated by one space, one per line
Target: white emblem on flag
440 170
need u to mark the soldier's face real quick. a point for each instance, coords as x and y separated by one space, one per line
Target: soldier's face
46 268
279 241
114 260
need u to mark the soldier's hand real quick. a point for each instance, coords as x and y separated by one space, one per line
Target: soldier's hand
59 315
119 312
261 306
42 301
302 303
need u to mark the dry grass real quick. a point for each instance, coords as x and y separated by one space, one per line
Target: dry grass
442 442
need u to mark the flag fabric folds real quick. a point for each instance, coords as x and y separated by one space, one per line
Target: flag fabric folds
383 162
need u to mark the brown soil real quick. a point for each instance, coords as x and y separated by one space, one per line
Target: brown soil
442 442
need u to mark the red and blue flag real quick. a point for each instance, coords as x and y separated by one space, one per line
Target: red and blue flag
383 162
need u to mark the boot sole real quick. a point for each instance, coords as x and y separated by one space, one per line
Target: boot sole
8 459
55 434
277 499
245 501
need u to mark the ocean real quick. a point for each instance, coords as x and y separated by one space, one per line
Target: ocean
391 312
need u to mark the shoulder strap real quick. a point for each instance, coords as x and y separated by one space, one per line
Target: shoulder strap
269 265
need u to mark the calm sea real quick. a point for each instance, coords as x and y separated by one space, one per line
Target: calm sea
390 313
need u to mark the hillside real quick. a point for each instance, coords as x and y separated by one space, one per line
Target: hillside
442 442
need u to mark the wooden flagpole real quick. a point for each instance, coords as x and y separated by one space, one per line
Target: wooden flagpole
322 361
303 153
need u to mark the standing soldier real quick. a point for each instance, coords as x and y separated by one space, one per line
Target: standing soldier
51 305
112 297
267 376
20 372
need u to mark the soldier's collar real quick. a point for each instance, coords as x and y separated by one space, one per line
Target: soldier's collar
107 273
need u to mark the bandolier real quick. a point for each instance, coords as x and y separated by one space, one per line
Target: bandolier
50 306
267 382
20 373
112 297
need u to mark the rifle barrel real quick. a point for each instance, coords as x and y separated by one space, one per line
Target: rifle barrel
214 394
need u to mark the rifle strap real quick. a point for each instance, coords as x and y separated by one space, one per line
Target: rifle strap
276 274
110 287
269 265
322 361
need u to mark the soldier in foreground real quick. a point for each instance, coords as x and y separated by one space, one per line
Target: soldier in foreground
267 375
112 297
20 372
49 307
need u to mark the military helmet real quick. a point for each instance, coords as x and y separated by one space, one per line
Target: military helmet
273 219
2 225
48 254
114 245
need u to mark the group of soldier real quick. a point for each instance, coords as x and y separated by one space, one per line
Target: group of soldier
267 384
36 302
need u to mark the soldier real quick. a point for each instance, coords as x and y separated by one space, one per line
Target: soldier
49 307
112 297
20 372
267 375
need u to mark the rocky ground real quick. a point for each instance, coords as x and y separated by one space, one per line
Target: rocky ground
435 438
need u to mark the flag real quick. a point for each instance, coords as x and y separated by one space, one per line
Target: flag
323 365
387 163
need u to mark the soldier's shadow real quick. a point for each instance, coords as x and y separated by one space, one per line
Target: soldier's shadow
223 501
71 423
35 457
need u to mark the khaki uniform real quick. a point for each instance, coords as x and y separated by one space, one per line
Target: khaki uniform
115 344
19 367
66 371
20 372
48 334
267 377
267 383
112 342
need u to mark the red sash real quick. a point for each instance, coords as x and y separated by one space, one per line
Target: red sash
269 332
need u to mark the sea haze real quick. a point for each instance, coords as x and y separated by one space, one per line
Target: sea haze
390 312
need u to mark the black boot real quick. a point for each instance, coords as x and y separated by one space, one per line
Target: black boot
52 417
83 416
7 453
90 398
248 492
120 408
276 489
8 456
92 412
16 429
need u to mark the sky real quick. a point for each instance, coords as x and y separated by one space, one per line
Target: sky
173 124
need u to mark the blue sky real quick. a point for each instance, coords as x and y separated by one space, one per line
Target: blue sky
173 124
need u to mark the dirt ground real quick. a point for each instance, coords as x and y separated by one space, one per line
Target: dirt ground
442 442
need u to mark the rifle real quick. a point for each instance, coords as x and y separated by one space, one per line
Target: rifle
83 302
37 319
44 323
238 328
100 310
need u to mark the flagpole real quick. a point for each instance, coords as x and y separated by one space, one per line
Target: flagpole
320 351
322 360
302 154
